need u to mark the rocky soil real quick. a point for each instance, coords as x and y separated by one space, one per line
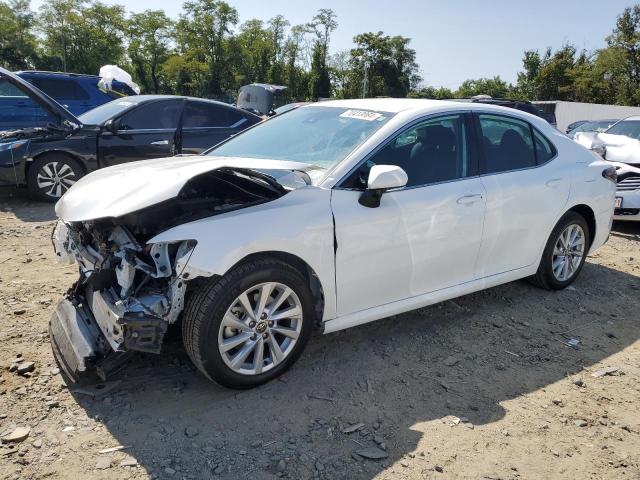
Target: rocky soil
510 383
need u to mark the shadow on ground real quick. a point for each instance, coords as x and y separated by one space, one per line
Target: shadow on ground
18 201
389 375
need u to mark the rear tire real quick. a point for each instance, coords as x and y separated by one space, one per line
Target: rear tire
560 264
50 176
271 352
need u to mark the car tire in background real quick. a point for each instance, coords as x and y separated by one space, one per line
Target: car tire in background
564 254
249 326
51 175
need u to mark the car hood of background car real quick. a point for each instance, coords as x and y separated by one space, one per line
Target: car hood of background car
619 148
115 191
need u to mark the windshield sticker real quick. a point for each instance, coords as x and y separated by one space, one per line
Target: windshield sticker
362 115
125 104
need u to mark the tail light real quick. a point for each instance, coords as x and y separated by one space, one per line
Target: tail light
610 174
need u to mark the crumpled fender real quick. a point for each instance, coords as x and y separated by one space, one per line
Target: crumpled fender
300 223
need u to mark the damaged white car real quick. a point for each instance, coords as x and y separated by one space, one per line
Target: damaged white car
330 216
620 145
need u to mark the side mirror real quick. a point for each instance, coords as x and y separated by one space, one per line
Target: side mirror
112 126
381 179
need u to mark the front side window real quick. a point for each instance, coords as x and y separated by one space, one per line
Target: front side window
628 128
161 115
430 152
507 144
317 135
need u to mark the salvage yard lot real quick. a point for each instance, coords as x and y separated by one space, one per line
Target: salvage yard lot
481 387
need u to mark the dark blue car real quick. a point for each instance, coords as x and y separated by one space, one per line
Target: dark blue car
77 93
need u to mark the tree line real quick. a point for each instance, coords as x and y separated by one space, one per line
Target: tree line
207 52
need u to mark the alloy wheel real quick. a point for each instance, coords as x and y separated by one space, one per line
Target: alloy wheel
55 178
260 328
568 252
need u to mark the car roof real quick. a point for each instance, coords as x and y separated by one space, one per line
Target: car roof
55 74
634 117
389 105
139 99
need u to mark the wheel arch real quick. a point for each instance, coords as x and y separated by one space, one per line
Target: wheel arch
588 214
313 280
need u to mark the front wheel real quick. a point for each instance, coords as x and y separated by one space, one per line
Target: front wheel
565 253
250 325
51 176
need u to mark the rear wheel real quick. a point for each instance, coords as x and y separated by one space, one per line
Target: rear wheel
249 326
51 176
565 253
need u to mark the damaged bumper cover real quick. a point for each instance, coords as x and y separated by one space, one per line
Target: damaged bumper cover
124 300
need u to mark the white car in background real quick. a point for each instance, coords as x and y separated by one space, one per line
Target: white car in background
620 145
332 215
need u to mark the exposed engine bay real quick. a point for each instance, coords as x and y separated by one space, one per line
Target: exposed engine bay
130 291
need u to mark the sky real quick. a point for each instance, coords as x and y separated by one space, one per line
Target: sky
454 40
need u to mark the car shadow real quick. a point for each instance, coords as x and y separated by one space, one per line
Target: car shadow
627 230
23 206
460 358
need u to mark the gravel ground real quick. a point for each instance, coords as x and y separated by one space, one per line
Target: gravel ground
483 387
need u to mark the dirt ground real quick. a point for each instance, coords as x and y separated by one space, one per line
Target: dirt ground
483 387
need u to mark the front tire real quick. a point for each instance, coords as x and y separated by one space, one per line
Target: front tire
251 325
50 176
565 253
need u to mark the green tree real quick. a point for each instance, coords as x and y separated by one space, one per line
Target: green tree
202 36
81 38
323 23
17 40
624 56
432 93
494 87
149 34
382 66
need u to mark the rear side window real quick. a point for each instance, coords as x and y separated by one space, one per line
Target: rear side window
507 144
161 115
60 89
203 115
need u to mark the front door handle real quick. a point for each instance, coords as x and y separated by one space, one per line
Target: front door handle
553 183
469 199
160 142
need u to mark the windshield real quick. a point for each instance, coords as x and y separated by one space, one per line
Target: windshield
321 136
628 128
101 114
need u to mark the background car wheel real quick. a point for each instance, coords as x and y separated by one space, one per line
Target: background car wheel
51 176
248 327
565 253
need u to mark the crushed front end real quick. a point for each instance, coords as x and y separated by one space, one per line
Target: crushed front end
127 294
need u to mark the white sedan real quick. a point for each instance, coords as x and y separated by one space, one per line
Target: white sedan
331 215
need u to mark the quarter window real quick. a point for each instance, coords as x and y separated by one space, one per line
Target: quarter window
507 144
545 151
430 152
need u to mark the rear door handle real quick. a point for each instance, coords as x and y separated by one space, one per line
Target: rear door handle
160 142
469 199
553 183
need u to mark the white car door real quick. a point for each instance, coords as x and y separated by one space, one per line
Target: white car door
526 191
423 237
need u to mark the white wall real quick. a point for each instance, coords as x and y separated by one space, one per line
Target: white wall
569 112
